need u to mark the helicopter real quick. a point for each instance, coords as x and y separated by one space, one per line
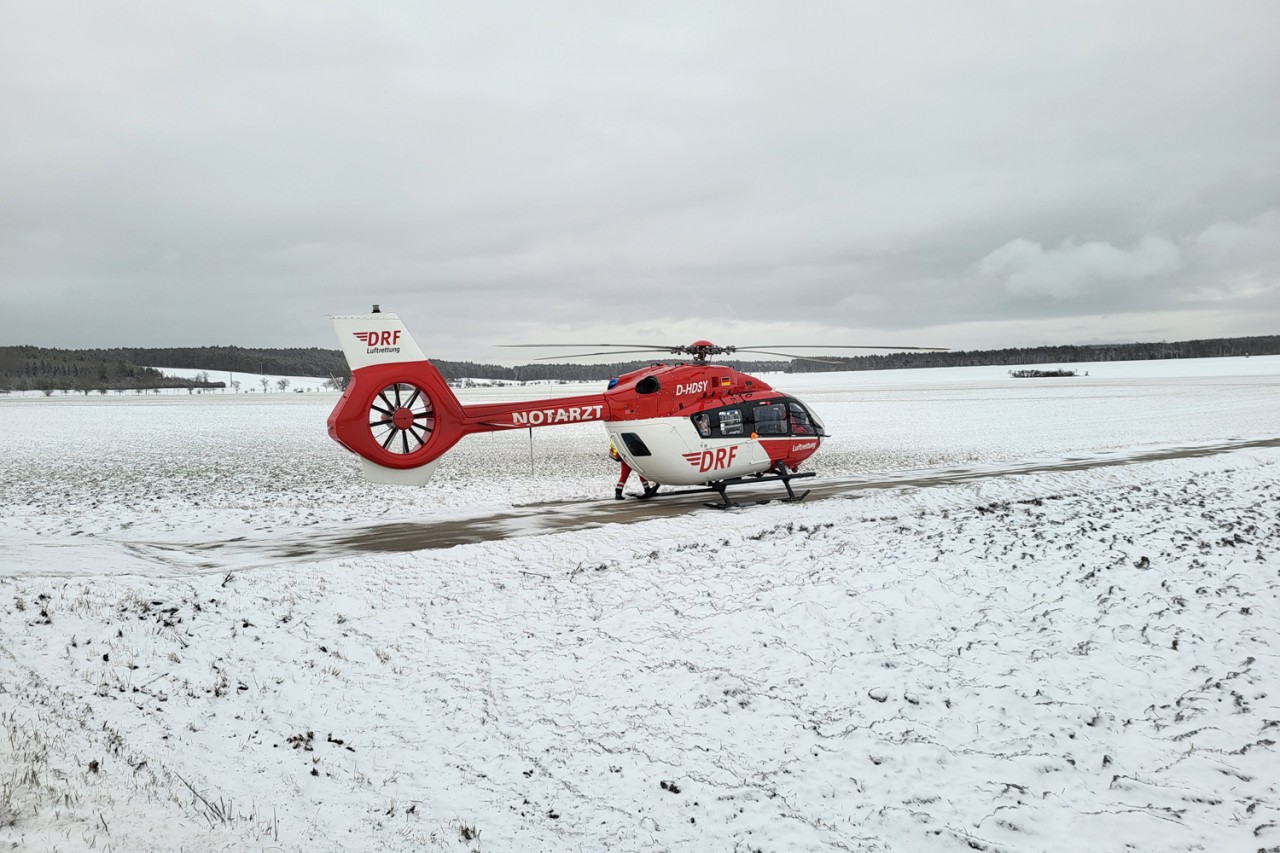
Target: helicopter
693 424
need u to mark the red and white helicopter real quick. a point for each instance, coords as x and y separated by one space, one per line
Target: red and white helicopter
689 424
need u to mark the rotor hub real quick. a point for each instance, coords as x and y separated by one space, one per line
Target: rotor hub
701 350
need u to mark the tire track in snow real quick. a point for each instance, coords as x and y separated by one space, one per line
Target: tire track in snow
179 559
560 516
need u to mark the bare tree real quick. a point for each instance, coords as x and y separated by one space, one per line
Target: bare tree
235 385
266 384
283 385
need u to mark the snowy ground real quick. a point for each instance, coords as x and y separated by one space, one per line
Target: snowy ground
1077 658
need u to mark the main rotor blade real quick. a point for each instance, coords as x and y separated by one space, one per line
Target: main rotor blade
790 355
846 346
548 346
607 352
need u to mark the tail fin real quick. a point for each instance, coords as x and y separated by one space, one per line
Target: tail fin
398 414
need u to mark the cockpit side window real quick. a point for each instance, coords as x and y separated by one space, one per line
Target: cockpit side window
770 419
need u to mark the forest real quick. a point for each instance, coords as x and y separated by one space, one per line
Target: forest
30 368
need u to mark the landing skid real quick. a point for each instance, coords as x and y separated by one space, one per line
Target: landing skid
722 487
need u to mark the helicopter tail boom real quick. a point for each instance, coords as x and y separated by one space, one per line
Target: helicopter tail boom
399 415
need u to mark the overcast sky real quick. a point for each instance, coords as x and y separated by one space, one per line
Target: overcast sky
971 175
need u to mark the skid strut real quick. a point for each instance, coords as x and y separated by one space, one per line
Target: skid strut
721 488
784 476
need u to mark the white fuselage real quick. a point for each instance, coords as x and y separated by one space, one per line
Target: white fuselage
678 456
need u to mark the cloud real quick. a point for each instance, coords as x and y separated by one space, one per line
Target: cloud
1073 271
1255 242
1225 262
179 175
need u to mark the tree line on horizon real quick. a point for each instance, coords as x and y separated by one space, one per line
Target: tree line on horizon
31 368
1065 354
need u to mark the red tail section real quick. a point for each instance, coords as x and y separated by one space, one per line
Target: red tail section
400 416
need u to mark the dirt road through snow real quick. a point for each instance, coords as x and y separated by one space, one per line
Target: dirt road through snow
558 516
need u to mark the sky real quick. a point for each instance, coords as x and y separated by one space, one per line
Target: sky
973 175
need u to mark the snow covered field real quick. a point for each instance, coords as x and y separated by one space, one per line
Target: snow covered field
1050 626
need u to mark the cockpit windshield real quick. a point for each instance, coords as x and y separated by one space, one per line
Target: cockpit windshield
784 417
801 422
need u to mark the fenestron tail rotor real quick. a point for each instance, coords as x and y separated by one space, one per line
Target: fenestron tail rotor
401 418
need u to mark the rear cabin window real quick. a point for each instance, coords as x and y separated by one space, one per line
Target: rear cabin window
730 421
635 445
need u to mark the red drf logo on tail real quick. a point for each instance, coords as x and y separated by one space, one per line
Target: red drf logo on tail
379 339
712 460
